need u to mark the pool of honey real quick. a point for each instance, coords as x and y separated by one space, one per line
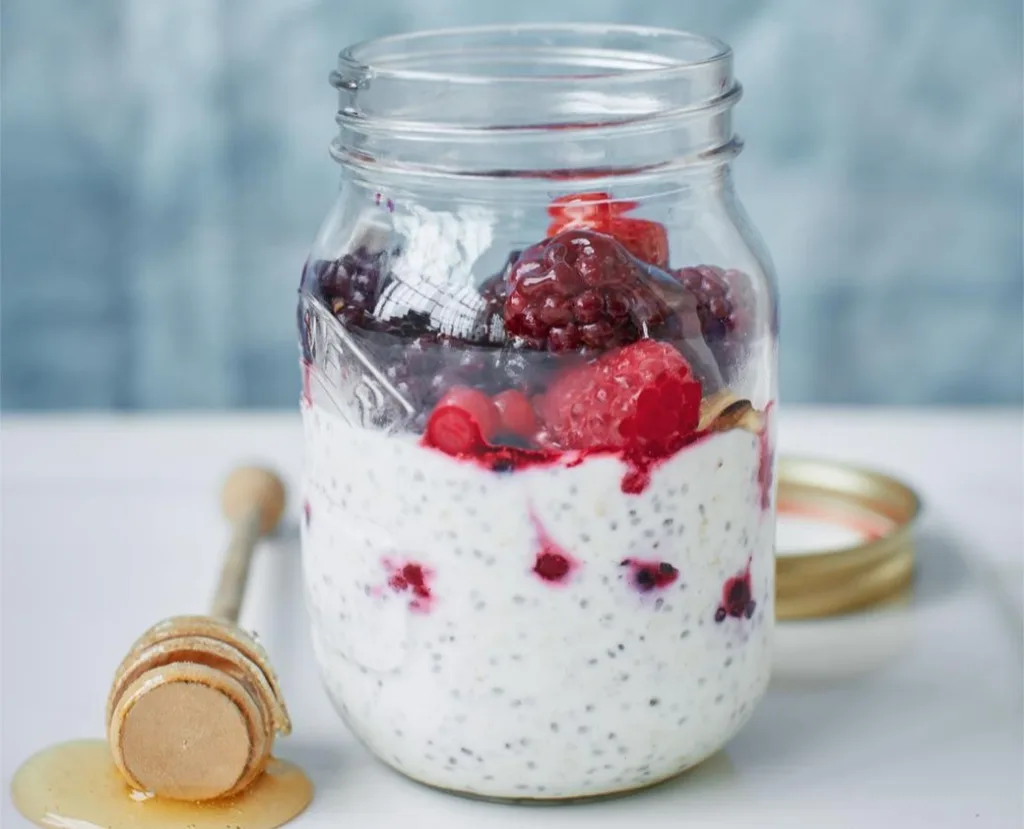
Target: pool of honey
77 784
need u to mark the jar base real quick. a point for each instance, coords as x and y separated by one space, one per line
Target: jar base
568 800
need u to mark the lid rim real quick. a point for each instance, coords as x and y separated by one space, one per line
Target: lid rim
836 580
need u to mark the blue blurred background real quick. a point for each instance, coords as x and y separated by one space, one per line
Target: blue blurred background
165 167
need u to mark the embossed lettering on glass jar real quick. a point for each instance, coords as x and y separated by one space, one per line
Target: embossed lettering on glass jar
539 355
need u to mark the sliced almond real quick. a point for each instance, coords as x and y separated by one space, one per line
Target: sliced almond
712 405
724 410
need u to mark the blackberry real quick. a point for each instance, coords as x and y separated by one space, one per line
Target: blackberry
580 289
712 289
349 285
722 307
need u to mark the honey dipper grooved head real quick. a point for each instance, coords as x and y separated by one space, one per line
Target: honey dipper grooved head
188 732
193 710
254 486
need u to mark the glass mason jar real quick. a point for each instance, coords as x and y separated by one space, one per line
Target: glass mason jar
539 358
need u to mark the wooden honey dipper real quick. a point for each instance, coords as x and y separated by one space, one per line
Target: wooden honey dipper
195 705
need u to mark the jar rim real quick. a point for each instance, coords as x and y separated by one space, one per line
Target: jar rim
535 99
390 56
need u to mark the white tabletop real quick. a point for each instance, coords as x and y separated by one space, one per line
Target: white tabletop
908 717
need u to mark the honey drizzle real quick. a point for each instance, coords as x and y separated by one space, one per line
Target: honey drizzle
77 784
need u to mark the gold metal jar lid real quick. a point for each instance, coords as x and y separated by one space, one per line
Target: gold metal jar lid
844 538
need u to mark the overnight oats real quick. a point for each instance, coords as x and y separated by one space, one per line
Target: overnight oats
538 352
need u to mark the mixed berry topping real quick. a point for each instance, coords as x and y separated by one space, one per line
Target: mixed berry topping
580 289
651 575
583 342
737 598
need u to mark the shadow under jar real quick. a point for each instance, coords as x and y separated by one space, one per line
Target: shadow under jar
539 357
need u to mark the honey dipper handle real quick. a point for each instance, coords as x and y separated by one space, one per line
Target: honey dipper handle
234 572
252 500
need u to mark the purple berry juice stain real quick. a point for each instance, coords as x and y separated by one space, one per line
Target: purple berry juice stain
650 575
737 597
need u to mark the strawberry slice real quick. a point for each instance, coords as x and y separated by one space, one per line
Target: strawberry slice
645 239
463 422
642 398
583 209
517 415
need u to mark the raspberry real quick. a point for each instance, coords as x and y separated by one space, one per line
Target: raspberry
462 422
642 398
646 240
517 415
580 289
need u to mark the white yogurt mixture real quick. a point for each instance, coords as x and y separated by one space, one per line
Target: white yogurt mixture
500 683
